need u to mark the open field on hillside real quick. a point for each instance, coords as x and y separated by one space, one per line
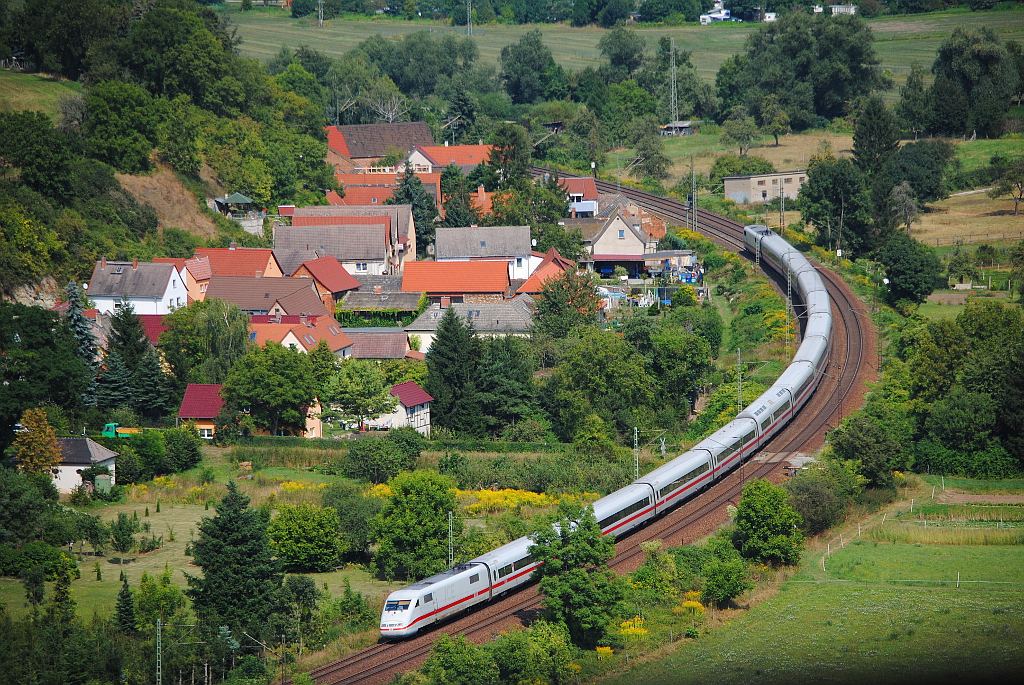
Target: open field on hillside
878 612
20 91
974 218
900 40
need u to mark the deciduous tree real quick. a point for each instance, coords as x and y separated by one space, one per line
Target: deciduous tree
578 588
275 383
766 526
411 529
739 130
306 538
410 191
357 391
774 120
1010 182
203 340
566 301
36 447
911 266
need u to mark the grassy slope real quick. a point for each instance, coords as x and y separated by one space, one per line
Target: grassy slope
901 40
30 91
857 622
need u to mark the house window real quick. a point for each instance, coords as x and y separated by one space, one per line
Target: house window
373 201
622 233
360 266
206 433
788 180
519 262
801 179
179 301
483 243
117 302
775 181
202 287
174 283
760 183
252 336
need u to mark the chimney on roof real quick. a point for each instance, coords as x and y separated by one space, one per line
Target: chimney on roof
481 193
446 143
378 289
480 142
135 264
233 245
103 262
259 274
573 215
446 302
302 317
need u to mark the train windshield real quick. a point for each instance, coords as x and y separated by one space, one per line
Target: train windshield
397 605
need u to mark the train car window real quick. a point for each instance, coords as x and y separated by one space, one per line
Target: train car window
397 605
619 515
524 562
429 597
782 409
748 437
684 479
505 570
767 420
417 604
475 578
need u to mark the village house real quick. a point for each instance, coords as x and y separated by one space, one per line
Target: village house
360 248
291 296
413 409
378 343
433 159
378 185
251 262
330 278
301 333
613 203
489 319
150 288
510 244
196 272
397 218
552 265
756 188
361 146
582 195
201 405
618 240
445 282
76 455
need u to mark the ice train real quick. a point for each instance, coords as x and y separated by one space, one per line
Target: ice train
479 580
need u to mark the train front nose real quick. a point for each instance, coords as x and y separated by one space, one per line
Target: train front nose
395 619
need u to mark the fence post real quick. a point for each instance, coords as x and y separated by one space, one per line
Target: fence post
958 579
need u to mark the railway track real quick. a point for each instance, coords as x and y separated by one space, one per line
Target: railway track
694 518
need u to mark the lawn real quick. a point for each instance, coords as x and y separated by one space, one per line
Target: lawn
899 40
20 91
877 613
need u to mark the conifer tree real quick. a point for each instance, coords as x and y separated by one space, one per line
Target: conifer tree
452 375
82 332
241 579
128 337
506 383
876 137
125 610
151 388
458 206
115 383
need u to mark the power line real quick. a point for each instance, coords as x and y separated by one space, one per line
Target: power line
673 94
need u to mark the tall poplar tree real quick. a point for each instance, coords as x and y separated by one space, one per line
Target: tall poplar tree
452 375
241 579
506 383
876 137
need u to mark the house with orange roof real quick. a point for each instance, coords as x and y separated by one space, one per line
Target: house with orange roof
302 336
551 266
196 272
375 188
253 262
482 200
582 195
396 218
449 282
330 278
434 158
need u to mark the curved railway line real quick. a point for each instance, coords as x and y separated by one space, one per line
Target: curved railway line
842 385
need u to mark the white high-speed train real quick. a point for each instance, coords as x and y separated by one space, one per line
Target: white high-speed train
408 610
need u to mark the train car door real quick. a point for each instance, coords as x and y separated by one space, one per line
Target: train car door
428 605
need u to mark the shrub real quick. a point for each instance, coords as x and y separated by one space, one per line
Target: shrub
378 459
183 448
36 553
354 513
307 537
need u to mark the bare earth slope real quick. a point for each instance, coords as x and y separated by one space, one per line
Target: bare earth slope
175 205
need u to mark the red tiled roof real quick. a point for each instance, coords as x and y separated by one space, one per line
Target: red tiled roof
286 210
273 318
410 394
376 179
153 325
461 155
576 186
482 199
336 141
178 262
362 195
542 275
237 261
201 401
338 220
455 277
330 272
199 267
415 354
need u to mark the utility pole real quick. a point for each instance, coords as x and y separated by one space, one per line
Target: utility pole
673 93
636 453
693 193
782 213
451 539
469 17
739 380
159 653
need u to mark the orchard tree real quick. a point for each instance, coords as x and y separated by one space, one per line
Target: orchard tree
36 447
276 383
766 526
566 301
306 538
578 588
411 530
241 580
739 130
357 391
122 533
1010 183
774 120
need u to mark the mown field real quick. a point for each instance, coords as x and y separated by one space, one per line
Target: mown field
900 40
879 612
20 91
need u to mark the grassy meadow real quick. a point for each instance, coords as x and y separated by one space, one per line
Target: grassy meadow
20 91
884 608
899 40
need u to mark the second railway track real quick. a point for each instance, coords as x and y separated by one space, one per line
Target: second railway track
693 519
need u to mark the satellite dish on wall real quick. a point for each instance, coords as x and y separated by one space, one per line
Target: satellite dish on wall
534 242
430 249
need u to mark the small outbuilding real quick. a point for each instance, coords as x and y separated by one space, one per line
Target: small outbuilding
78 454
